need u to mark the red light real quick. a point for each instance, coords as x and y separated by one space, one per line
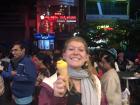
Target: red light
51 27
71 17
62 17
109 29
57 13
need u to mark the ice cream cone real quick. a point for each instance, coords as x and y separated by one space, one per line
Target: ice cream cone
62 68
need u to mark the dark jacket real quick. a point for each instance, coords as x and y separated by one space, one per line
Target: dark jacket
46 96
23 84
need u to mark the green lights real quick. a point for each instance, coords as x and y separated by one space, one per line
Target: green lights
103 26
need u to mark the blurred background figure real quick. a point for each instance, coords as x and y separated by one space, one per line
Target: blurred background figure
43 67
122 61
2 100
110 81
22 71
41 62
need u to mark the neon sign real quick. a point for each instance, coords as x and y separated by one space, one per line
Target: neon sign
61 19
105 27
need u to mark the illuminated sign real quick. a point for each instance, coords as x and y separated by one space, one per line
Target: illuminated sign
58 13
67 2
102 26
61 18
70 19
105 27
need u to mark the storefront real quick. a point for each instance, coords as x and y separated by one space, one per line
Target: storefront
57 18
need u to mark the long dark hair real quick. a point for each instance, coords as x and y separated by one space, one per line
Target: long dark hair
109 59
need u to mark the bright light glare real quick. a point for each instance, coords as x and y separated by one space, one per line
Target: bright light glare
42 17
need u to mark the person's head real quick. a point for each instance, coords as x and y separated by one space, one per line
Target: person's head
40 60
113 52
18 50
76 52
121 56
108 61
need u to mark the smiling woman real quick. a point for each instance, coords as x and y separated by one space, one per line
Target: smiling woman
84 85
75 53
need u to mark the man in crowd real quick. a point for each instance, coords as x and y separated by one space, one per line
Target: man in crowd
23 74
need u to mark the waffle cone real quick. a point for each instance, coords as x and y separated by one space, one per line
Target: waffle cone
63 71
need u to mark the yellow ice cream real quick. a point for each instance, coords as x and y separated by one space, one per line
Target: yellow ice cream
62 68
61 64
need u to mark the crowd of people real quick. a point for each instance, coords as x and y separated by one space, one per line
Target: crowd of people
93 79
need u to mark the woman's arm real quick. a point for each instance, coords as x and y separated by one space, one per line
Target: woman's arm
53 96
60 91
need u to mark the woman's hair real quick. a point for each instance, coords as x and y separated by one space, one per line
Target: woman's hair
109 59
78 39
44 58
88 65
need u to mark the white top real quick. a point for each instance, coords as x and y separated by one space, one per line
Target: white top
50 80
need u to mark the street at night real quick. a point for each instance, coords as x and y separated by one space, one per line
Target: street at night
69 52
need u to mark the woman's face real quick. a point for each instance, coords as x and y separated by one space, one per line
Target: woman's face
75 54
105 64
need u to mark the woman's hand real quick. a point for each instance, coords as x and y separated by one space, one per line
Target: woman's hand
60 87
